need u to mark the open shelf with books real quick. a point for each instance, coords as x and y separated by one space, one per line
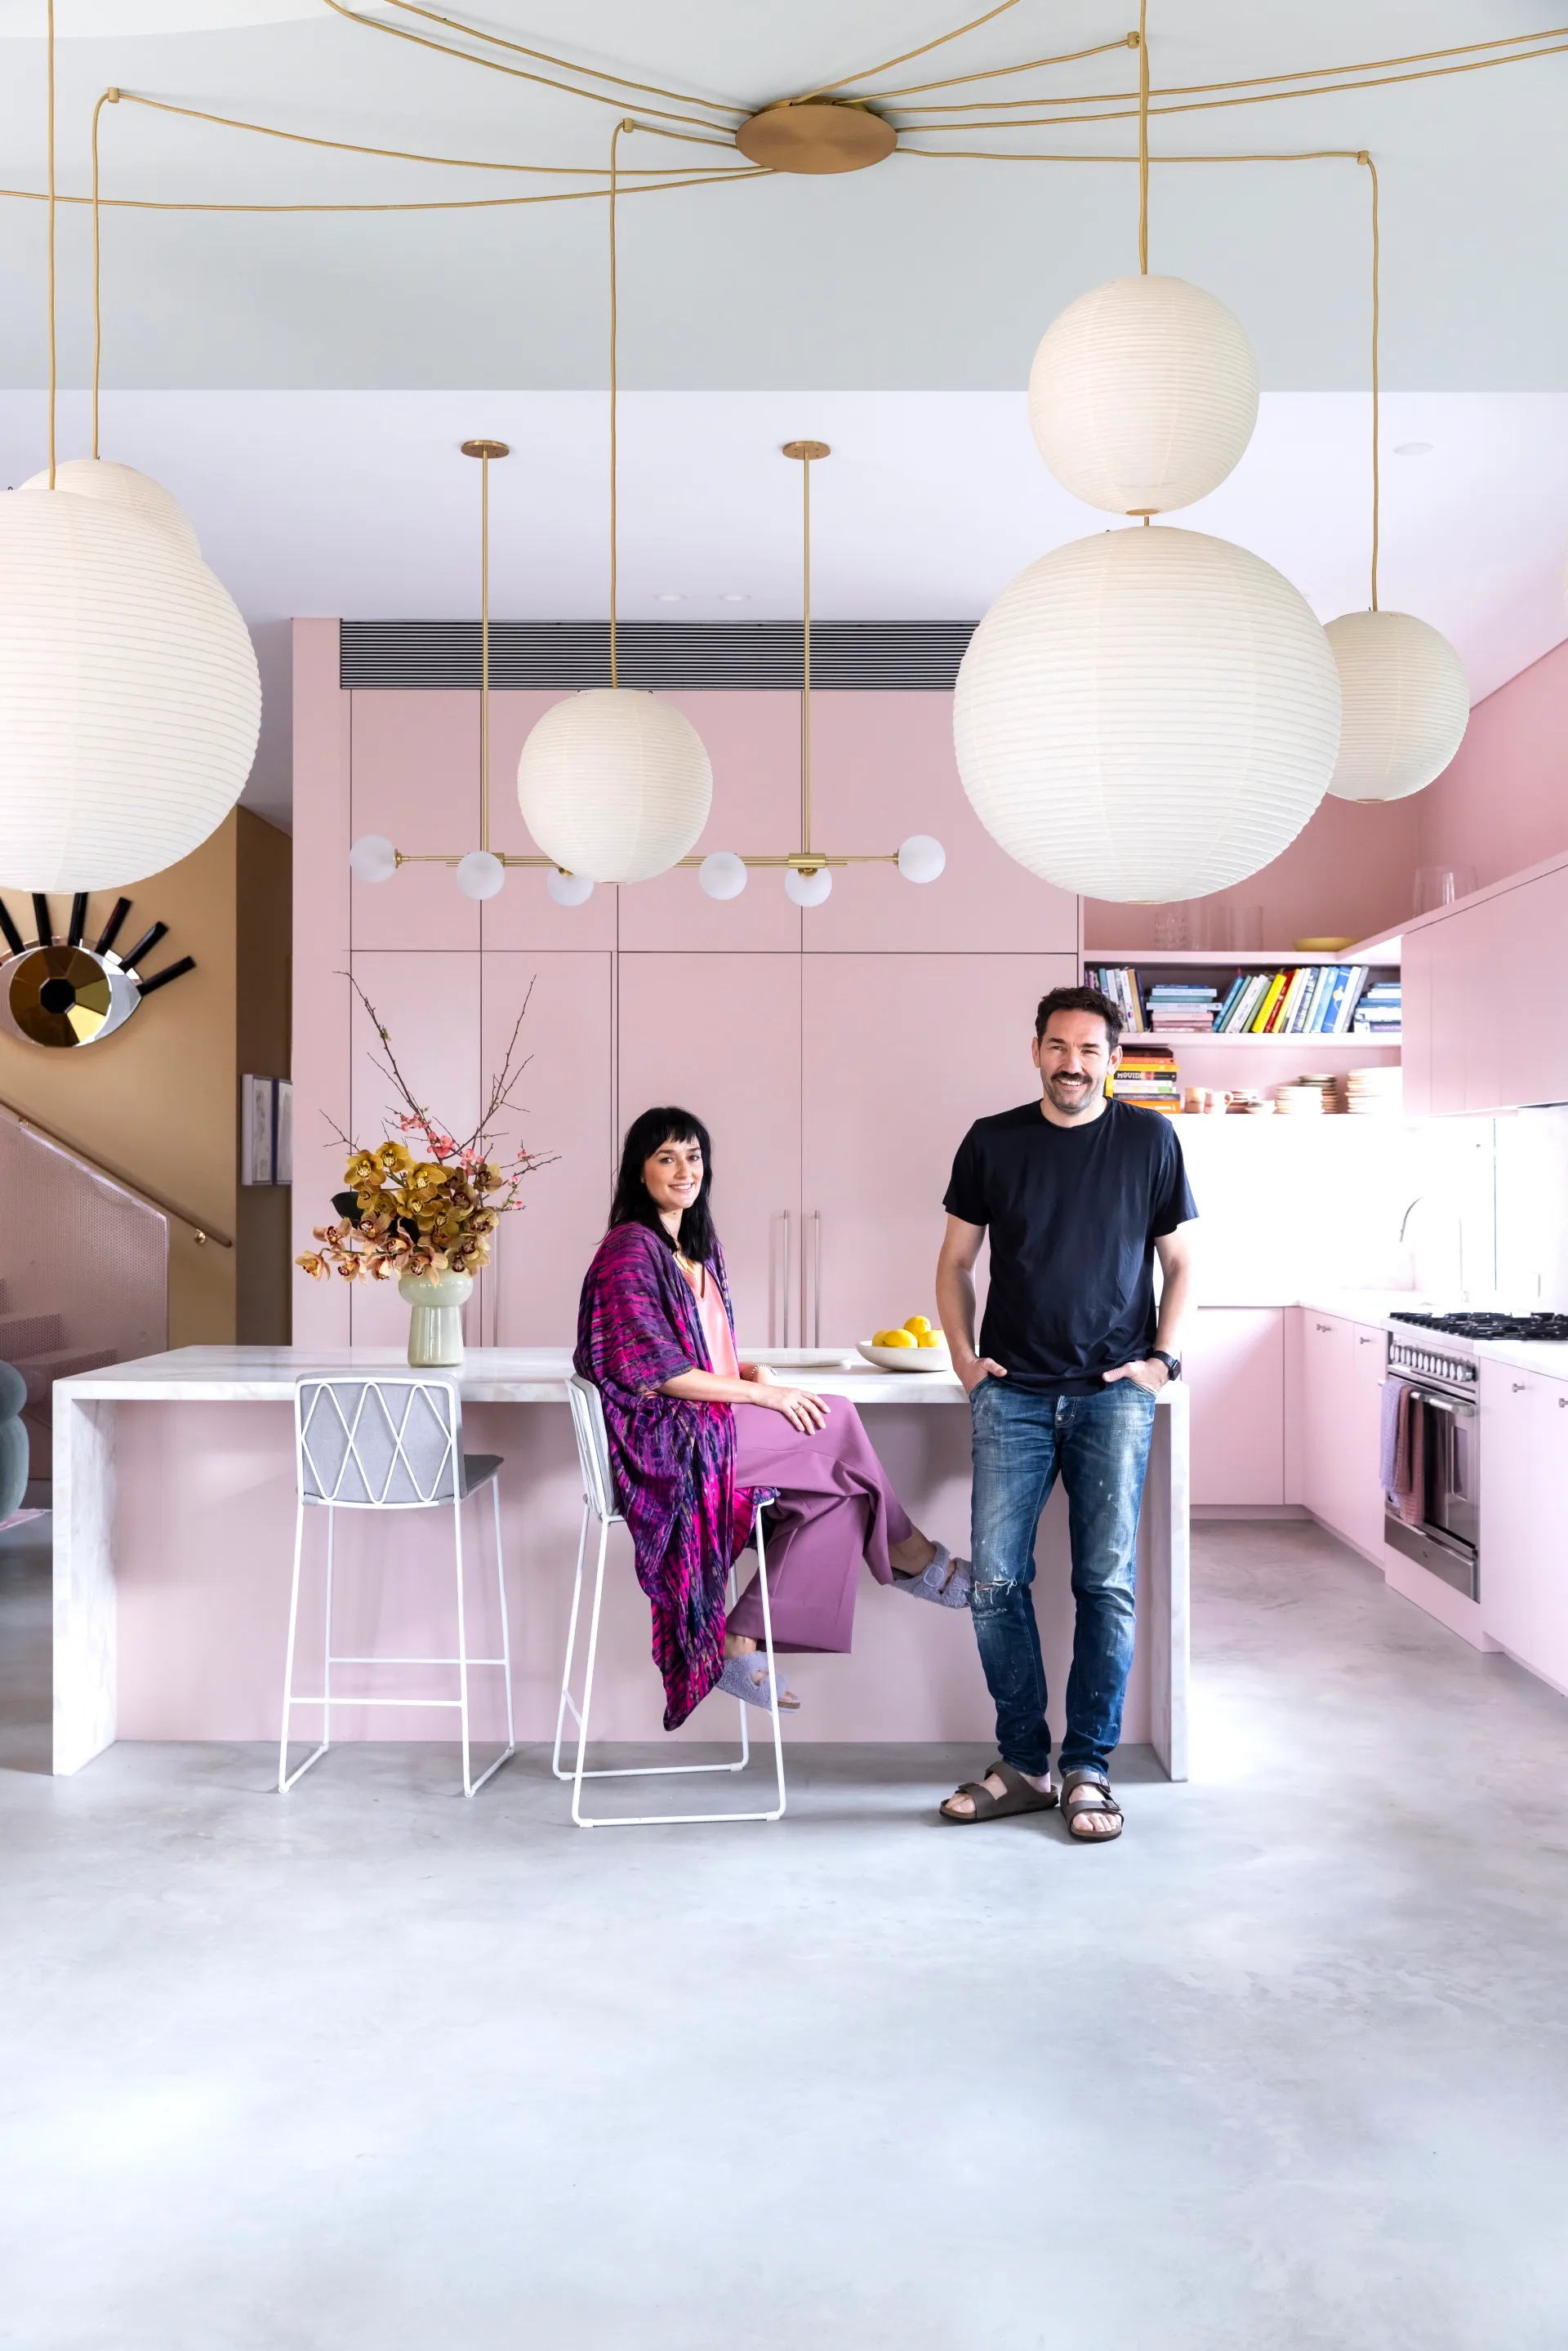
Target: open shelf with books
1248 1000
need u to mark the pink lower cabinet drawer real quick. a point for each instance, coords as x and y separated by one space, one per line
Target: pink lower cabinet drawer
1235 1363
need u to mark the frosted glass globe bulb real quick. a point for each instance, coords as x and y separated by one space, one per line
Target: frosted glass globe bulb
372 858
569 888
722 874
807 889
480 874
921 858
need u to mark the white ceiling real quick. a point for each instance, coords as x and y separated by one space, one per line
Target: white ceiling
301 380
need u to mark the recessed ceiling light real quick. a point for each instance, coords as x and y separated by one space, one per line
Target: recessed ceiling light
1412 448
669 596
734 596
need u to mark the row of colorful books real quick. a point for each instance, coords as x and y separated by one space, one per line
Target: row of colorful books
1149 1074
1331 1000
1313 1000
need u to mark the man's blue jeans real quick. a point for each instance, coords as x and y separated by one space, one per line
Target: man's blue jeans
1100 1445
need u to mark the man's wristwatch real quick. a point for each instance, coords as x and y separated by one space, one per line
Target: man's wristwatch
1171 1362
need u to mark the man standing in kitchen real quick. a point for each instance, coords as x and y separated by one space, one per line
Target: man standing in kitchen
1079 1193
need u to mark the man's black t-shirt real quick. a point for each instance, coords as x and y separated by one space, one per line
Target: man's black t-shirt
1073 1214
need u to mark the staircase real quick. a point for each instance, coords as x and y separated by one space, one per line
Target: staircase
86 1278
37 1346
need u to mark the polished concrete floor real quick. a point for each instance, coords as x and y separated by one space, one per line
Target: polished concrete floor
373 2069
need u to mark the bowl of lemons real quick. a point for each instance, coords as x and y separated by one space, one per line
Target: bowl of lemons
917 1345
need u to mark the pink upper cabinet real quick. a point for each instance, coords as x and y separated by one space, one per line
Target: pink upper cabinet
523 913
882 768
415 775
753 744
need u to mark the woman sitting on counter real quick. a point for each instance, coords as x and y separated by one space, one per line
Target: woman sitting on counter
699 1440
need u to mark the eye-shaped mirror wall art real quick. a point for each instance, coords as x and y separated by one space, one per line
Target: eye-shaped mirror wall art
62 993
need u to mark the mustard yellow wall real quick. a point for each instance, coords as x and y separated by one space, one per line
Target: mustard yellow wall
157 1104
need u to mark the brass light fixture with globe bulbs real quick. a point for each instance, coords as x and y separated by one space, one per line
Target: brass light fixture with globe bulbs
809 871
479 873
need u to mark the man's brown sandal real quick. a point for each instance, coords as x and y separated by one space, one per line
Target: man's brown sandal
1020 1798
1085 1791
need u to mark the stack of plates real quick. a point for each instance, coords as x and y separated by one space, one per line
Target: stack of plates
1373 1094
1245 1101
1303 1100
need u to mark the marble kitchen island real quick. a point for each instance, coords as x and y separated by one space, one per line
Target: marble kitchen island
173 1545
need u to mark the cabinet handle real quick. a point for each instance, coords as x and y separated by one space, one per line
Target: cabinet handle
1365 1338
816 1340
1520 1388
1325 1326
779 1299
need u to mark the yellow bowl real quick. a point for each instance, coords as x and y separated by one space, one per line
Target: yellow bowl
1322 947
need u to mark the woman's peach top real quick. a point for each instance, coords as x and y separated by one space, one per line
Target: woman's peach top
720 1338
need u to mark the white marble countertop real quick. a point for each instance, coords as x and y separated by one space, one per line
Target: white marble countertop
487 1375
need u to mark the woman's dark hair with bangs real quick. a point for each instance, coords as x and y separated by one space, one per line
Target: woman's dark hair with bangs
633 1203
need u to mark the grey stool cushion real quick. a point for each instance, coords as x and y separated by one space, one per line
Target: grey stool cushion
478 1469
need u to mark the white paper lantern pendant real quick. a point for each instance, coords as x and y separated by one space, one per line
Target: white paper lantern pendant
1406 705
1146 714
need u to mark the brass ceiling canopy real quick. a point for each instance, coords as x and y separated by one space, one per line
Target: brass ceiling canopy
816 135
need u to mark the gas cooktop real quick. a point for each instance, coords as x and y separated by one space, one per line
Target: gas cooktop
1482 1325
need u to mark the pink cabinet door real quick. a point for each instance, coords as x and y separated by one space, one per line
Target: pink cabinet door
1452 1006
1523 1550
1363 1492
1533 931
1328 1415
720 1036
563 1107
1416 1005
1234 1361
903 1053
882 768
429 1004
414 775
753 743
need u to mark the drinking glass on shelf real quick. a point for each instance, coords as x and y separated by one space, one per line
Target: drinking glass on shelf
1439 886
1174 925
1243 929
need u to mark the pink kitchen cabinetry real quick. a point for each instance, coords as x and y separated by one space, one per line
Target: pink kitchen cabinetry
902 1054
565 1110
1523 1553
1342 1368
1480 991
880 771
720 1036
1234 1363
1327 1343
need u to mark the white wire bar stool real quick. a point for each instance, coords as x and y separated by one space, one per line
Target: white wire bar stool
388 1444
599 1507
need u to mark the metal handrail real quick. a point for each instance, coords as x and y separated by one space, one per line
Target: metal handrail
201 1232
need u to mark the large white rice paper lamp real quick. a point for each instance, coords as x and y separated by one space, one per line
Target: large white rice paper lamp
1406 705
614 784
122 486
1146 714
1144 394
131 702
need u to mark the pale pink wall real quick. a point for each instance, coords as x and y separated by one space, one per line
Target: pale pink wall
1503 804
1348 875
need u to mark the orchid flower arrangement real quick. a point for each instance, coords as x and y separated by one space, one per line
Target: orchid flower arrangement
429 1214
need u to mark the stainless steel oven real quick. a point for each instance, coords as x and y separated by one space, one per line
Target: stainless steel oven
1439 1387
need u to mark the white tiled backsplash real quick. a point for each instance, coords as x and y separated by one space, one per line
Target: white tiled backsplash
1287 1206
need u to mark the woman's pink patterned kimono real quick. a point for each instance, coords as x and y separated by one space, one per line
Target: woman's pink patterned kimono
690 1477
